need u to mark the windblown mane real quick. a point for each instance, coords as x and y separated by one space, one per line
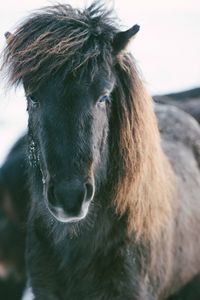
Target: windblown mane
59 37
142 176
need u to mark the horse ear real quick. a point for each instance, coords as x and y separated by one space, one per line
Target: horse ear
8 36
122 38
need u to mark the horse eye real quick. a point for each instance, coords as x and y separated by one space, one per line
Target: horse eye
103 99
32 99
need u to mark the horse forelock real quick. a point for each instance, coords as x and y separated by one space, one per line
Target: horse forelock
60 37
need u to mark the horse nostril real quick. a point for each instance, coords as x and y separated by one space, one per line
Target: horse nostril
70 198
89 191
67 195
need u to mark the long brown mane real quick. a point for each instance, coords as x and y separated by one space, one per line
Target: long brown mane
140 177
143 175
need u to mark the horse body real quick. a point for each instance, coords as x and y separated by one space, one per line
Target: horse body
186 100
14 204
180 142
112 217
100 262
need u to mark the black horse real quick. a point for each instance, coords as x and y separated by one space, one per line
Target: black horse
14 204
188 100
190 292
110 218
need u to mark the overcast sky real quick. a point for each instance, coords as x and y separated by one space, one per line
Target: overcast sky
167 49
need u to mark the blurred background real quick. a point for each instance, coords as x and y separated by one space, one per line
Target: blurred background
167 51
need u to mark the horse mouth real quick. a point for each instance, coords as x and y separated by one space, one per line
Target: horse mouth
60 215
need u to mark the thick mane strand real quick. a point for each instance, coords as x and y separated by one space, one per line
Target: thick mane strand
59 37
140 174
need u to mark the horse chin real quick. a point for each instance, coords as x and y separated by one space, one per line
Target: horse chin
60 215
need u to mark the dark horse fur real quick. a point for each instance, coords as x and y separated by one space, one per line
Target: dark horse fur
115 210
14 203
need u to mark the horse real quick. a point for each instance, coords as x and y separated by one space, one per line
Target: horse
115 211
188 100
14 203
189 292
14 191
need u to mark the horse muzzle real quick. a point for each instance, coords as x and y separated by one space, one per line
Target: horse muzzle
68 201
